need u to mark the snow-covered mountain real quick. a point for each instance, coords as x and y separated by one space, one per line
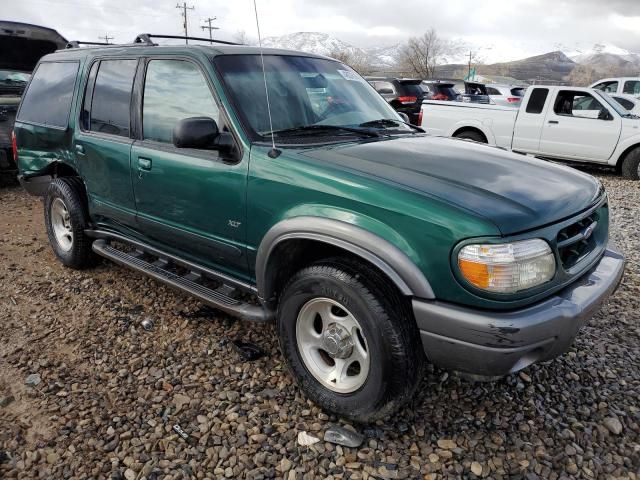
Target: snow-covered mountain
324 44
606 57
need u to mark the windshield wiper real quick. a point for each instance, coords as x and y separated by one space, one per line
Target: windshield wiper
389 122
325 128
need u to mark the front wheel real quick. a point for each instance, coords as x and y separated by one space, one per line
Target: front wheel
350 341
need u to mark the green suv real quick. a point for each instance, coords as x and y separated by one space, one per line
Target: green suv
373 246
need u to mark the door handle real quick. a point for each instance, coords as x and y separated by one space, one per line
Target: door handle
79 149
554 122
144 163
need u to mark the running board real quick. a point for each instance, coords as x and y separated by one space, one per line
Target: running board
223 297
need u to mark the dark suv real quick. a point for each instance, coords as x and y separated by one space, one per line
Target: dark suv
368 242
21 46
404 95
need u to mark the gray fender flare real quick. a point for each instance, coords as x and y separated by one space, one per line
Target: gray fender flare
369 246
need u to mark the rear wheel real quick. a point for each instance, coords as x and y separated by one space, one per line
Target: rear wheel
631 165
350 340
66 217
471 135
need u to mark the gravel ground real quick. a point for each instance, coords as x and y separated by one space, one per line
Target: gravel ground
86 392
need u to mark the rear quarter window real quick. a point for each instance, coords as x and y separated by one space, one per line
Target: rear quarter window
49 95
537 100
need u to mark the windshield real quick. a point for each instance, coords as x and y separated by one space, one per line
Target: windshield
613 104
303 92
11 76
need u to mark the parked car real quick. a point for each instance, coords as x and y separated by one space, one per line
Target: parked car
368 242
21 46
564 123
436 90
630 103
403 94
505 95
623 85
472 92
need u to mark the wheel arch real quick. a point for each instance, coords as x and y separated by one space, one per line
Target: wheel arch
289 241
471 129
621 158
36 183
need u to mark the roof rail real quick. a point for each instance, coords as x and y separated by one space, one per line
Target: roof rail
146 39
77 43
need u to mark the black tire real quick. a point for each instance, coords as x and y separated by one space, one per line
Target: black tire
631 165
70 191
471 135
393 342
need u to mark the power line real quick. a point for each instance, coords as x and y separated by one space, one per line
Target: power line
184 9
209 27
106 38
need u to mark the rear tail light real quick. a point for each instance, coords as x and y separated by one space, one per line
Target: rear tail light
14 146
407 100
514 99
420 115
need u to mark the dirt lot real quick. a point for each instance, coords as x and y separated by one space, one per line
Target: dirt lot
86 392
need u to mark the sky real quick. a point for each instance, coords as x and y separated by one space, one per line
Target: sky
499 30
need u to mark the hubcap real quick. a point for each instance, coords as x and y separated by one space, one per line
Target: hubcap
61 223
332 345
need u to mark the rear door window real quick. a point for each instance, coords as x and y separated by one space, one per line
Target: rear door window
49 95
174 90
609 87
493 91
537 100
110 105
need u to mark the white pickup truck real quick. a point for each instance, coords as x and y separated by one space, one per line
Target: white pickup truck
564 123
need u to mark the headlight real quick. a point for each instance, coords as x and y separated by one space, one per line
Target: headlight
507 267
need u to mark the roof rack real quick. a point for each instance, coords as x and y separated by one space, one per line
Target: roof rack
77 43
146 39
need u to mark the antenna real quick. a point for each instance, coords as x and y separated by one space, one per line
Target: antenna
274 152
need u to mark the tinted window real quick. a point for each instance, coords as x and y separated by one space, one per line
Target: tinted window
493 91
174 90
537 100
632 87
48 98
517 92
85 113
627 104
112 97
412 89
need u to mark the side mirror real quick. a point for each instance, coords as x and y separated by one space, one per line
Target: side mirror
196 132
604 115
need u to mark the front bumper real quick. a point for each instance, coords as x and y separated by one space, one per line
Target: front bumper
495 343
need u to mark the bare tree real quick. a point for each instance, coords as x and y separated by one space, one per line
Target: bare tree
359 64
242 38
421 56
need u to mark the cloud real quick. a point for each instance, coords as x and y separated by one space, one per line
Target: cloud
507 29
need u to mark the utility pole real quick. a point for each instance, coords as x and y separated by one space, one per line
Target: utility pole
184 9
469 73
106 38
210 28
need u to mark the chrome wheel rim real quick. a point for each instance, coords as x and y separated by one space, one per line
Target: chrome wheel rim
332 345
61 224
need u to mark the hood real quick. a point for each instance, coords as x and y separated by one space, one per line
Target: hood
23 44
515 192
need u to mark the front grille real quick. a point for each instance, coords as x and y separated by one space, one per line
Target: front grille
579 239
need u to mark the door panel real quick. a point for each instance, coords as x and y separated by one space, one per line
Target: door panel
570 132
191 201
102 144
